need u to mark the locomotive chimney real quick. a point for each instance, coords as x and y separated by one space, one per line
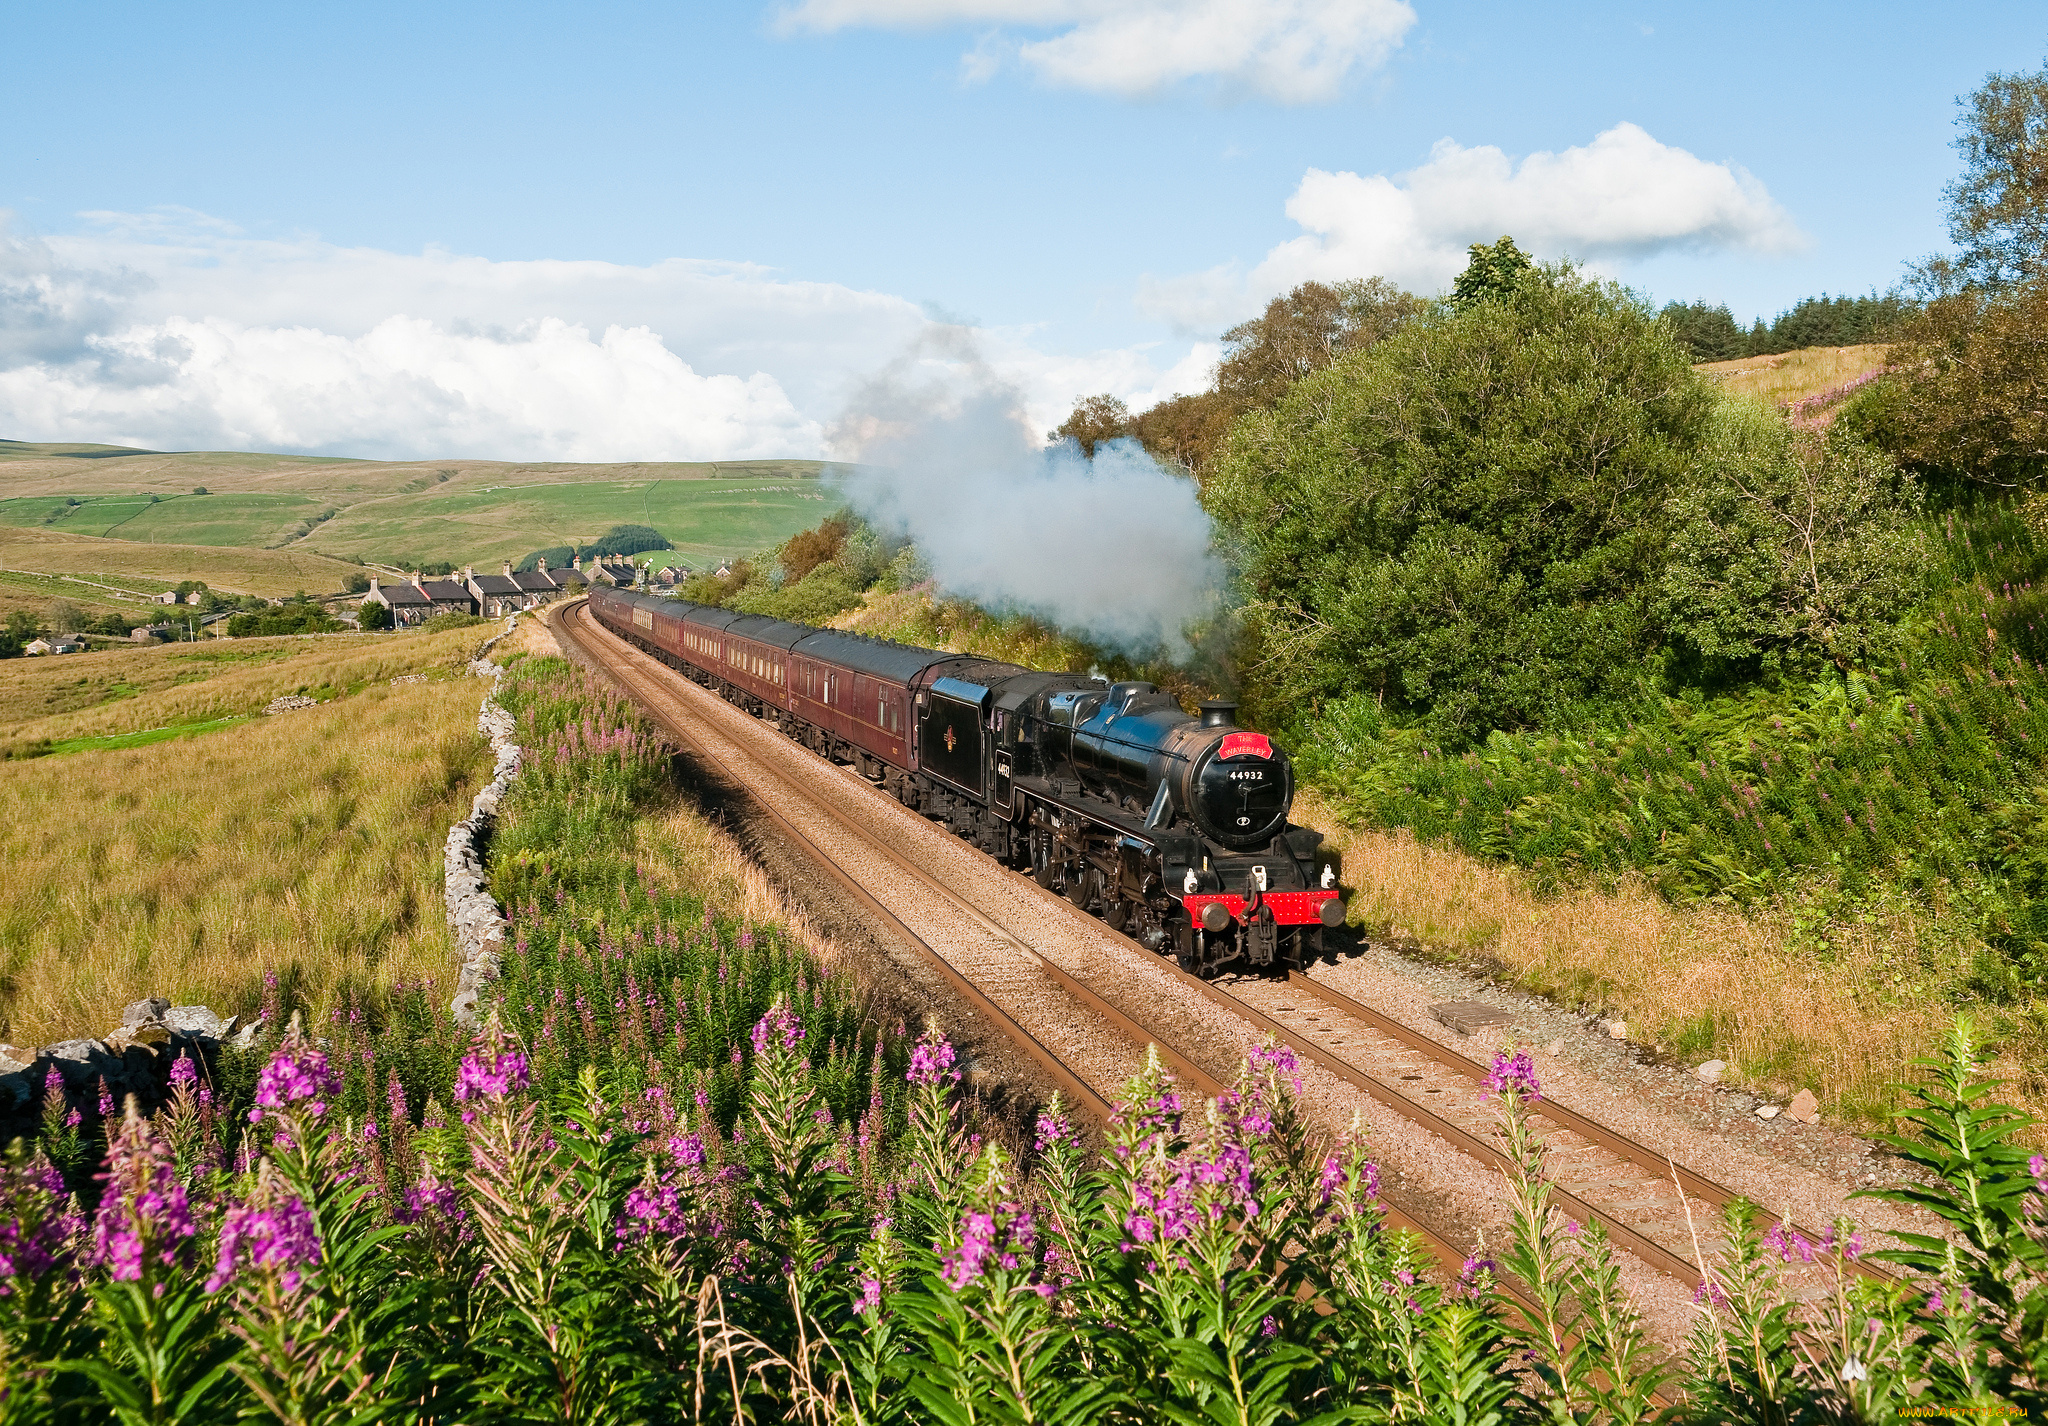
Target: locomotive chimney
1219 713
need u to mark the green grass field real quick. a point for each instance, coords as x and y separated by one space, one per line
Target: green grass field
707 520
396 513
258 521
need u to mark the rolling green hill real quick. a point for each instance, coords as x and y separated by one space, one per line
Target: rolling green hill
399 513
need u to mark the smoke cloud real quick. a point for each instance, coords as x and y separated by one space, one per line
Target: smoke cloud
1114 549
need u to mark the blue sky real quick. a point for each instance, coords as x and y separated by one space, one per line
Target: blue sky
348 229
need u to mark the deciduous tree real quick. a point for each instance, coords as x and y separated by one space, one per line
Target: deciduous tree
1789 549
1466 520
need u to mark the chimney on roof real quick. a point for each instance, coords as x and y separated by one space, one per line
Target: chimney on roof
469 571
543 565
508 569
417 583
373 584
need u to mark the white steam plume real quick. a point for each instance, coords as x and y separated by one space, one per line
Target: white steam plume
1115 549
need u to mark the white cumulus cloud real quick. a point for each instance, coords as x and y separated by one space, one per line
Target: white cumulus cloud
1622 197
407 387
173 330
1290 51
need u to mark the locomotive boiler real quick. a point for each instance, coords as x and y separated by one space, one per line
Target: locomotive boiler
1172 828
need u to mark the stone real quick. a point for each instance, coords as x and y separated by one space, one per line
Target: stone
16 1060
250 1034
1555 1048
1469 1016
1710 1072
195 1020
1767 1111
463 1006
1804 1107
1617 1029
143 1011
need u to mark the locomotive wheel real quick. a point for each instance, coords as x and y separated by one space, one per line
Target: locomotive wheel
1081 886
1117 914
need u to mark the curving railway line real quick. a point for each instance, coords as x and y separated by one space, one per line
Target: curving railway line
1084 1014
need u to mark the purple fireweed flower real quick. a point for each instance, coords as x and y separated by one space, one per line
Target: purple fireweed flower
932 1060
429 1200
654 1207
106 1104
297 1072
1055 1130
1332 1177
266 1237
36 1230
1514 1076
1268 1326
183 1072
495 1075
870 1296
1002 1240
143 1210
1280 1060
779 1027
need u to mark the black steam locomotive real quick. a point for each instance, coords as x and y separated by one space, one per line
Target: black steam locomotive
1173 829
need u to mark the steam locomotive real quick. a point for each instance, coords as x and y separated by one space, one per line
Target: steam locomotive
1172 829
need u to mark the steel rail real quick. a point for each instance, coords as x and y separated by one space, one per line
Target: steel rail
1446 1254
1085 1096
1663 1167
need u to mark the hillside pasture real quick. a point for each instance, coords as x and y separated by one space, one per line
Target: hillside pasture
308 845
271 573
707 520
397 513
47 702
257 521
1793 376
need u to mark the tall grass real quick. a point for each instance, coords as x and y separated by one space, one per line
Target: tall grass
126 690
306 845
1794 376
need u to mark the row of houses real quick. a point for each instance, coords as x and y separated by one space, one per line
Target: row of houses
495 595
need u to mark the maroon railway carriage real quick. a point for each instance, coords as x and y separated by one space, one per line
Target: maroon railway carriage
1171 828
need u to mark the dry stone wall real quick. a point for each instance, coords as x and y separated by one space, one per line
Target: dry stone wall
474 916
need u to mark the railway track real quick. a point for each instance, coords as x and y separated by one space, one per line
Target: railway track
653 686
1638 1194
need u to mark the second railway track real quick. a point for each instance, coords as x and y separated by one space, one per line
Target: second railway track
1083 1019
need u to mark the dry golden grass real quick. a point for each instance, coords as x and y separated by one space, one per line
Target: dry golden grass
307 844
271 573
1793 376
1845 1019
126 690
